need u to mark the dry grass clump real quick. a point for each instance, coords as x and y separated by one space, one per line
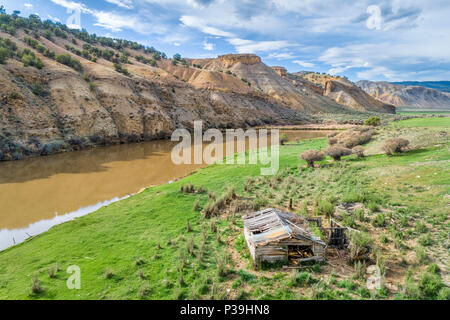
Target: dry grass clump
190 188
359 151
332 141
214 205
36 285
394 145
337 152
312 156
354 137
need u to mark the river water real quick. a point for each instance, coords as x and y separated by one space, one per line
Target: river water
38 193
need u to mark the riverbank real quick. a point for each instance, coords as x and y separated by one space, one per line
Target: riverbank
155 245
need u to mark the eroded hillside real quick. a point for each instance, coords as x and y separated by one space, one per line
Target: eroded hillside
64 90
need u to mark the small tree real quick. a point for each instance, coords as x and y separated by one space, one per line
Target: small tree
283 139
311 156
394 145
373 121
337 152
359 151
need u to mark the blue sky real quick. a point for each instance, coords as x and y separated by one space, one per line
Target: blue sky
391 40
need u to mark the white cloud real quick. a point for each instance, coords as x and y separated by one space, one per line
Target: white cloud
112 21
304 64
73 5
127 4
28 5
281 56
194 22
208 46
250 46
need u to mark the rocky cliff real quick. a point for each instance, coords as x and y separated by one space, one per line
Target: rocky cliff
409 96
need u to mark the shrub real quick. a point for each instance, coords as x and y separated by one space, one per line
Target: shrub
4 55
36 286
421 255
312 156
360 246
337 152
379 221
37 89
420 227
373 121
120 69
13 95
374 207
434 268
394 145
301 279
325 207
430 285
67 60
28 58
359 151
426 240
92 86
360 214
284 138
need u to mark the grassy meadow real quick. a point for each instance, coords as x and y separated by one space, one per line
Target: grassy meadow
159 245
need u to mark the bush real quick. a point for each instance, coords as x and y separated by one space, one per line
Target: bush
359 151
430 285
360 246
13 95
284 138
37 89
394 145
325 207
4 55
373 121
312 156
337 152
67 60
379 221
120 69
28 58
421 255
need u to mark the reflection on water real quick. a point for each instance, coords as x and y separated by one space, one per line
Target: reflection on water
36 194
10 237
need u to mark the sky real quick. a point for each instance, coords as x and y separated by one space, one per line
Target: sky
391 40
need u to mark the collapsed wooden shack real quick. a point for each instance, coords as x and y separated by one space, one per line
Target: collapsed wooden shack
273 235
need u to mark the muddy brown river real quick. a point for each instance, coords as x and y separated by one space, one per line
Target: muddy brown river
38 193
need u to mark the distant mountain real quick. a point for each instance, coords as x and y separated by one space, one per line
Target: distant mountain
437 85
417 97
340 90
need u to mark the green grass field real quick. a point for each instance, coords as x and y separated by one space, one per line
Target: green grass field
143 248
424 113
442 122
